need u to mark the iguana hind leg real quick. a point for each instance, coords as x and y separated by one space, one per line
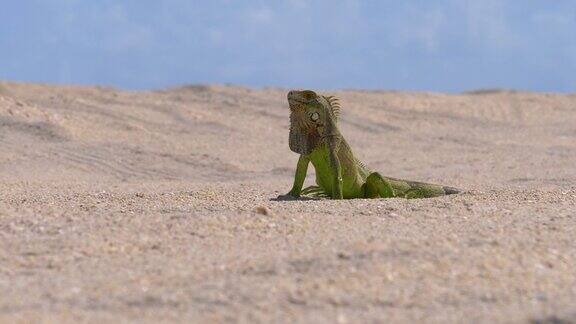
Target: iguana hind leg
377 186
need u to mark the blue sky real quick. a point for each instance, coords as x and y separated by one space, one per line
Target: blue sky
442 45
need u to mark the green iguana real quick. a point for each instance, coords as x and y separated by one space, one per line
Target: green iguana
315 136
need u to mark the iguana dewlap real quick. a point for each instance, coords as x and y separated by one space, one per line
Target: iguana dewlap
315 136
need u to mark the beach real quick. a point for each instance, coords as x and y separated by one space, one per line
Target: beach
140 206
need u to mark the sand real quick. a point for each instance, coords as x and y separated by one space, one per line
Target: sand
161 205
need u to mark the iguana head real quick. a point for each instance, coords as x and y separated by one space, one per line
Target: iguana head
312 117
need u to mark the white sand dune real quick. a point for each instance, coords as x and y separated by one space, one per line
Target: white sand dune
140 206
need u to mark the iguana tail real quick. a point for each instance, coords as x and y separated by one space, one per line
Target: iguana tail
386 187
415 189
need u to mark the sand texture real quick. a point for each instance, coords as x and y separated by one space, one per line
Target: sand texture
141 206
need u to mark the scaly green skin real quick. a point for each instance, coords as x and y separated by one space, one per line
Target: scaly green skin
315 136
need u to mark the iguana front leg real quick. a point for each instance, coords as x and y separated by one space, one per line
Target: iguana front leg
333 144
300 176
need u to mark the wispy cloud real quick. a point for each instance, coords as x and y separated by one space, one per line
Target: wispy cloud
487 23
260 16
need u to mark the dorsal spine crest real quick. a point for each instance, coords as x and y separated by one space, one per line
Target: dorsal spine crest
334 105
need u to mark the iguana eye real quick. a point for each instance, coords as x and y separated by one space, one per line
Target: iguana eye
314 116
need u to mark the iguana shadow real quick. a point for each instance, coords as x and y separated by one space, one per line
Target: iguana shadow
291 198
